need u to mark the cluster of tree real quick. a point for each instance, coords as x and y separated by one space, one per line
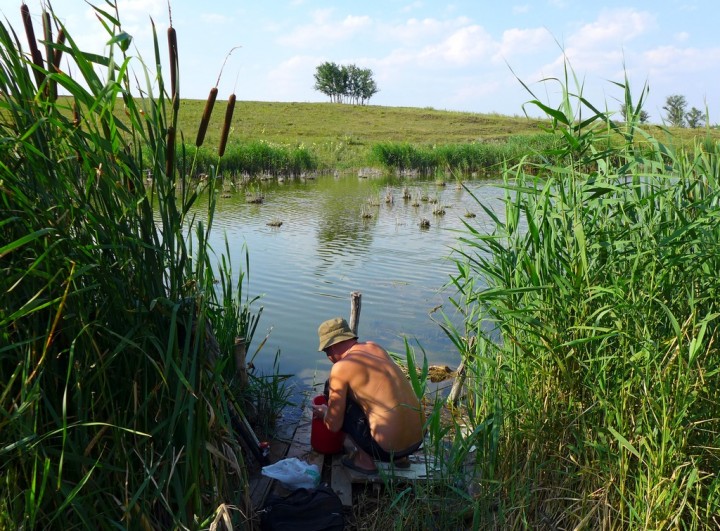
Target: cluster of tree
677 113
345 83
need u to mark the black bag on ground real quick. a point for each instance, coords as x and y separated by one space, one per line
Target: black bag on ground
303 510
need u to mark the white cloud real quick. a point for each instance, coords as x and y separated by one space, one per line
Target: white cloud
291 79
413 6
613 27
519 10
324 30
524 41
670 61
464 46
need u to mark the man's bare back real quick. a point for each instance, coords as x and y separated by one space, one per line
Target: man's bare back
369 376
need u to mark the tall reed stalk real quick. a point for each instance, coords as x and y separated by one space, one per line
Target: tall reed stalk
111 415
591 332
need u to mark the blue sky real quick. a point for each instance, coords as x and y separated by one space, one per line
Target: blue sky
460 55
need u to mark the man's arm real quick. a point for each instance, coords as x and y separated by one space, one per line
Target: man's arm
337 399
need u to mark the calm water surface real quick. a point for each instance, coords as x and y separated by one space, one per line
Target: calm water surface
305 270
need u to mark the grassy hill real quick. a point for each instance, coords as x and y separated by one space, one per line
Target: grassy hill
342 136
317 123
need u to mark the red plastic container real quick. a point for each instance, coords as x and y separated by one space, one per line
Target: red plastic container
322 439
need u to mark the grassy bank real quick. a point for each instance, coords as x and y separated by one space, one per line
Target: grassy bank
338 136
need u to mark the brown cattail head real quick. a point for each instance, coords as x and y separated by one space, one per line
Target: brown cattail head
170 152
173 50
226 125
47 31
209 104
57 56
76 115
32 43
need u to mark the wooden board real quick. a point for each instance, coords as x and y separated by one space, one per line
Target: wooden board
419 470
340 481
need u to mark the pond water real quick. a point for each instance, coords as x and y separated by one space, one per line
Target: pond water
305 270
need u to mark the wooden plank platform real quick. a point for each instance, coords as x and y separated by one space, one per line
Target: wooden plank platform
340 478
419 470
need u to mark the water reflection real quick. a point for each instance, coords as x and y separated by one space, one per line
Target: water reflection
306 269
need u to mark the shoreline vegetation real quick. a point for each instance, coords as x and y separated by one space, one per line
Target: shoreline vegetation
589 344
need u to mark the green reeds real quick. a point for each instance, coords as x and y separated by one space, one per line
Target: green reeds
592 309
113 411
257 158
463 159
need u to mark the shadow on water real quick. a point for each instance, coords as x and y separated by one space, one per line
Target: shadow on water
306 269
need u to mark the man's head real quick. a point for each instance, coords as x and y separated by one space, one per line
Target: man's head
334 331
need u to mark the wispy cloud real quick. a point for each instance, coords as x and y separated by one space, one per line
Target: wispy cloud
325 30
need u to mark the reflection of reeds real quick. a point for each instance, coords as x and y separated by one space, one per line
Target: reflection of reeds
365 212
439 211
406 193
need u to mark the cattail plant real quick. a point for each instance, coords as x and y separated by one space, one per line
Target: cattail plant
54 64
205 120
32 43
174 65
226 125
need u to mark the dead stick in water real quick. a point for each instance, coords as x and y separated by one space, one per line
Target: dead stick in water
355 300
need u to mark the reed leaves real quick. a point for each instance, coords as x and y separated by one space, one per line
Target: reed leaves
596 295
112 413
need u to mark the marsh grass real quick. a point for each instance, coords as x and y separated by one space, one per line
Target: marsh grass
594 299
114 349
589 340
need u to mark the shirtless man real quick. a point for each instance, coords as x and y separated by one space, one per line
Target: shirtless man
369 398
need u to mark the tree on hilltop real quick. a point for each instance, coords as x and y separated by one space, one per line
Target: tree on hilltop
695 118
675 106
345 83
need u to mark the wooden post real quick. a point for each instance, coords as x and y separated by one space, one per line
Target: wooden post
454 396
355 298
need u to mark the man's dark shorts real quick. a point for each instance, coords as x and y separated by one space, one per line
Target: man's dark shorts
357 426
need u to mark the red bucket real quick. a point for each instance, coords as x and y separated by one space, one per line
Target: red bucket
322 439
